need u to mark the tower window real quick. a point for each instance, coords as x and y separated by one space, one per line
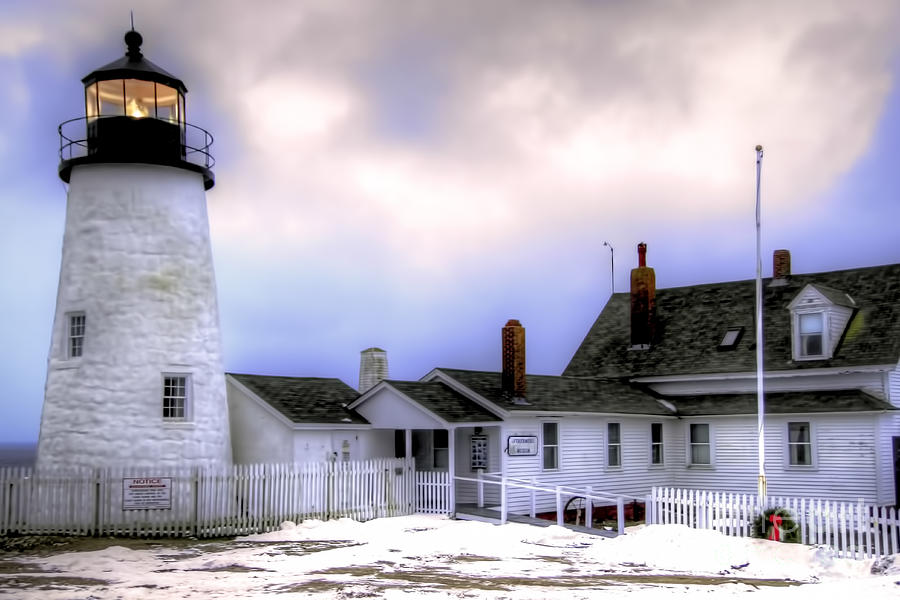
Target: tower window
175 397
75 344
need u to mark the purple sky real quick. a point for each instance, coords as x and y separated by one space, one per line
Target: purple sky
412 174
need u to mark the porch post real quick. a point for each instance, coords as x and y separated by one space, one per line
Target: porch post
451 468
407 442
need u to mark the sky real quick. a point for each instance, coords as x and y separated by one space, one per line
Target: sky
412 174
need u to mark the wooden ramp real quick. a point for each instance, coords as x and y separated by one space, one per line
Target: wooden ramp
470 512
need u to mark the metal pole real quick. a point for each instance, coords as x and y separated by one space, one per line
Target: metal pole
612 268
760 395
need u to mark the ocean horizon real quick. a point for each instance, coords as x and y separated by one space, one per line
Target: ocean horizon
18 455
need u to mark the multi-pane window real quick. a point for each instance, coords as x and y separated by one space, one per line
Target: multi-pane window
613 445
656 444
551 445
812 328
175 399
441 448
700 447
76 335
799 444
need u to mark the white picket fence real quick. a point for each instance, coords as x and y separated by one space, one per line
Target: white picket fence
240 500
853 530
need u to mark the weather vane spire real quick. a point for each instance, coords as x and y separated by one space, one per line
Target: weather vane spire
132 19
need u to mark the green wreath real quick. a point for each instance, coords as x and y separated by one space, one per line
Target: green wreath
788 529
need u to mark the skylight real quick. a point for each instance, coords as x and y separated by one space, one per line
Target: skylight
731 338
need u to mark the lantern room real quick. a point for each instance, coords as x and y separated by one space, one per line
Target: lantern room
134 113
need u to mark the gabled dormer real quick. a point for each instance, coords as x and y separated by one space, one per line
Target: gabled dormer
819 316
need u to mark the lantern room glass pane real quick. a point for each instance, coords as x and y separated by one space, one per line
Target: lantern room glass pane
140 99
90 101
112 97
167 102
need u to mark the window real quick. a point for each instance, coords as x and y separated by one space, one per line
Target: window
175 397
551 446
613 445
441 448
812 329
75 344
700 447
799 444
656 444
731 338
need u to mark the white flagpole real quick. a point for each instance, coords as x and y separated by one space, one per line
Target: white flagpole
760 396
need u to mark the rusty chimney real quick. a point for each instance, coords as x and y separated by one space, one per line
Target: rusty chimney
643 302
781 264
513 375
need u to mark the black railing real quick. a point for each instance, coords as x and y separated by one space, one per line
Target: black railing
118 137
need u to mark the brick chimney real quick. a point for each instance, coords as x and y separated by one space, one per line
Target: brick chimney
373 368
781 264
643 302
513 376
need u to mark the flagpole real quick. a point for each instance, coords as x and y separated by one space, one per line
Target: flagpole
760 396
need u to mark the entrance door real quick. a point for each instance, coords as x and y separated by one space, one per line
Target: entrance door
896 470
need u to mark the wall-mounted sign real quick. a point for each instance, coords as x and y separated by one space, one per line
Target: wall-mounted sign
522 445
479 456
140 493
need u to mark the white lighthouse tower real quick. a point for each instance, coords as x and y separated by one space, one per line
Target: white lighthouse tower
135 374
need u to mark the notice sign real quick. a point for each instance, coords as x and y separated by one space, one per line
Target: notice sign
139 493
522 445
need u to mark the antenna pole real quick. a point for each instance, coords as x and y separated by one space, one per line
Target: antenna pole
760 395
132 20
612 268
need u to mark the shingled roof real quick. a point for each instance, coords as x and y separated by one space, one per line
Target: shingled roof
780 403
691 322
305 399
551 393
443 401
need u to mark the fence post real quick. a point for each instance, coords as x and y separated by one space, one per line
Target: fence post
620 514
648 512
503 506
559 507
588 507
480 489
533 494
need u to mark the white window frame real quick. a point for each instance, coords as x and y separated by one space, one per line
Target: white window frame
610 445
545 445
798 337
661 444
187 398
690 444
71 337
813 464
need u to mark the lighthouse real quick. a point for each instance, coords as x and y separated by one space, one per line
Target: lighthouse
135 375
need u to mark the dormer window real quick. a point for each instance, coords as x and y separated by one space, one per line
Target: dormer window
819 316
812 332
731 338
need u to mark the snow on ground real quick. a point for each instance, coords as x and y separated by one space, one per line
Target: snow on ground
434 557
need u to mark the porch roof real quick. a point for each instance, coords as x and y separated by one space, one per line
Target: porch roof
780 403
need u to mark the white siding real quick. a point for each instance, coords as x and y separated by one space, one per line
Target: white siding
582 458
257 436
837 320
844 448
889 427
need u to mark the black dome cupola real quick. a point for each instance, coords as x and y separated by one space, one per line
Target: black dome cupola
134 113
